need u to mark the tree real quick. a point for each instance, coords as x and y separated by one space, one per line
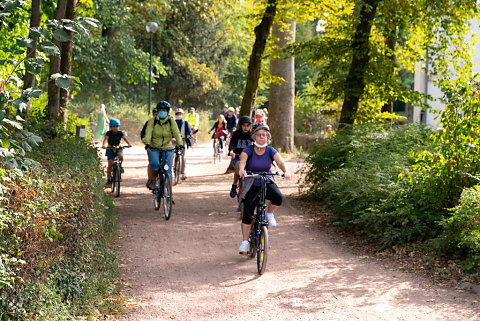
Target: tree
66 58
54 68
355 82
262 31
282 96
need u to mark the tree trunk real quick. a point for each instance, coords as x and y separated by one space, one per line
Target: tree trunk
282 96
29 78
262 32
355 82
390 42
66 60
53 90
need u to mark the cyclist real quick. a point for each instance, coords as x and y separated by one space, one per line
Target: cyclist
258 158
224 111
231 120
113 137
194 120
158 138
329 133
186 133
220 128
241 138
237 111
259 116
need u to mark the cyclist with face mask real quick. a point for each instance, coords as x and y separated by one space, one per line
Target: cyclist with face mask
158 141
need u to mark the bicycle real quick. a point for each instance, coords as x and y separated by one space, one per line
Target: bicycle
217 150
259 233
116 177
177 164
163 189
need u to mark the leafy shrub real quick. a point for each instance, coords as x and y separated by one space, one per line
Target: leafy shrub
56 234
356 174
461 231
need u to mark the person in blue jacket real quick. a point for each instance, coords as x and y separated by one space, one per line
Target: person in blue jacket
186 132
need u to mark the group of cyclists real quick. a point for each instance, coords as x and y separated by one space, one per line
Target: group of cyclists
248 147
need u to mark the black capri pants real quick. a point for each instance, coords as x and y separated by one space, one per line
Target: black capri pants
253 197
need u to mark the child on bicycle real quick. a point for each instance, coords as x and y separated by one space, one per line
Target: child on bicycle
220 128
113 137
241 138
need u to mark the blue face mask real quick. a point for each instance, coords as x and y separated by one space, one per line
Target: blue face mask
162 114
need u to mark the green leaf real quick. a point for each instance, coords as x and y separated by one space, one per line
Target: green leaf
35 93
61 35
26 147
93 22
31 67
6 143
50 48
62 82
25 42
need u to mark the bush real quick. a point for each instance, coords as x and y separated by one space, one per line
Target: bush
461 231
56 232
356 175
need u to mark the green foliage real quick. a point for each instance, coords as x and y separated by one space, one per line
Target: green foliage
355 174
56 235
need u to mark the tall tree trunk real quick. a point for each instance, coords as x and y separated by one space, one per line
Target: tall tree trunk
29 78
355 82
53 90
66 60
262 32
390 42
35 17
281 103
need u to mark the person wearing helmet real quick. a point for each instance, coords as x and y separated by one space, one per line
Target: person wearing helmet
194 120
186 133
224 111
237 112
231 120
158 141
259 116
258 158
241 138
113 138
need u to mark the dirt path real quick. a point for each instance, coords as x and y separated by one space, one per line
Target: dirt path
188 268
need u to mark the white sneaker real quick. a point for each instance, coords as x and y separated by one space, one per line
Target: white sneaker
243 249
271 219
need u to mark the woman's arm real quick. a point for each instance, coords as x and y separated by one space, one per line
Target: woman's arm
279 160
104 144
242 163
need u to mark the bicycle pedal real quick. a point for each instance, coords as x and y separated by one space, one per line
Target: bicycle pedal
244 253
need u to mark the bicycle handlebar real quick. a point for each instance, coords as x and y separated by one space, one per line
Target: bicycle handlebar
263 174
116 147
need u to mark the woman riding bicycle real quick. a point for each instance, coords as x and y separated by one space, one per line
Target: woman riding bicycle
158 139
258 158
220 128
113 138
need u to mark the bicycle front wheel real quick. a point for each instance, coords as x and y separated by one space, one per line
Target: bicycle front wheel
262 250
156 195
176 169
112 179
167 196
116 182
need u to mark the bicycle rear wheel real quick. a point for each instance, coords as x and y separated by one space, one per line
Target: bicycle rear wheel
262 250
116 181
176 169
167 196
